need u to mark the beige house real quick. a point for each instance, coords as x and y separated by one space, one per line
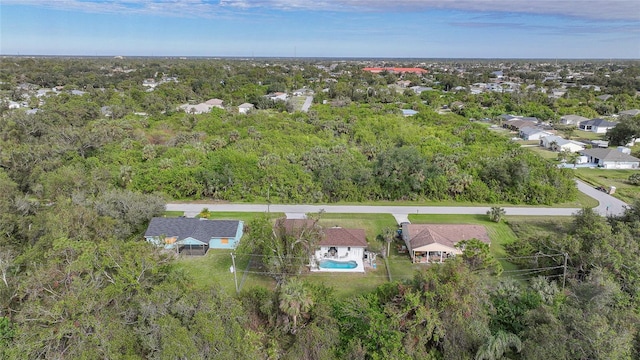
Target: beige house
429 243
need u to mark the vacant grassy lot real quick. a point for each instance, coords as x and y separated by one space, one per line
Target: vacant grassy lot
539 226
618 178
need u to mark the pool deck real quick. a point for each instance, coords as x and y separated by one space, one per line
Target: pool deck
359 268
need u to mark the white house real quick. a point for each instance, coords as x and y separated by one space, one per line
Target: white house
598 126
437 242
556 143
572 119
533 133
340 250
245 108
215 103
611 159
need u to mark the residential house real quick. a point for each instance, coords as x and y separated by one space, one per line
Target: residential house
533 133
192 234
245 108
632 112
196 109
517 124
215 103
572 119
598 126
420 89
304 92
437 242
557 143
611 159
278 96
339 249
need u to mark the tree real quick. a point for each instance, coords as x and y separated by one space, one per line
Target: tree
477 256
634 179
284 251
496 213
497 345
294 300
625 131
387 235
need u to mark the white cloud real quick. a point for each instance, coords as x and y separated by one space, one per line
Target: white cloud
590 9
586 9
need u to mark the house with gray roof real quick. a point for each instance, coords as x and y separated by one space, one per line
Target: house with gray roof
611 159
632 112
572 119
598 126
190 233
557 143
533 133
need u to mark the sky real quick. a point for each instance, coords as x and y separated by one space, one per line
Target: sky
552 29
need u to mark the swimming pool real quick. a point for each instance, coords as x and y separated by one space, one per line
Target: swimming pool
333 264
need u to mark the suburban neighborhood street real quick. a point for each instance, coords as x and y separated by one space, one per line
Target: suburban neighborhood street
608 206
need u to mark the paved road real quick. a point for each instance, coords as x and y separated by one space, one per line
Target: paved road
307 103
608 206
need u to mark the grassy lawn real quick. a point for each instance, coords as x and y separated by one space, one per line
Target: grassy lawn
544 153
173 213
538 226
213 269
581 135
242 216
618 178
350 284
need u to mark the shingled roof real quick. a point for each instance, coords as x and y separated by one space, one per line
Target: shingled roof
609 155
334 236
199 229
444 234
337 236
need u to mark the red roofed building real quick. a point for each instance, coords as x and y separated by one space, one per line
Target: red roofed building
395 70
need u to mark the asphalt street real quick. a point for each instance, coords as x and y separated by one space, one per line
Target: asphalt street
608 206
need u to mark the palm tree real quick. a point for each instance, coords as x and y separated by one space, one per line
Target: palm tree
205 213
294 300
496 213
497 345
387 235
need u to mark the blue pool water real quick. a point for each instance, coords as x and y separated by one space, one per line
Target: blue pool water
332 264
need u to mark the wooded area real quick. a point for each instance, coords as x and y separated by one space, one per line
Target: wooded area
81 177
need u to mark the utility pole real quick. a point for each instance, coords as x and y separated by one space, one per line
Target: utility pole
269 199
233 270
564 271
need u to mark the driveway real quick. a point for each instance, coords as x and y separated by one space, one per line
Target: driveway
307 103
